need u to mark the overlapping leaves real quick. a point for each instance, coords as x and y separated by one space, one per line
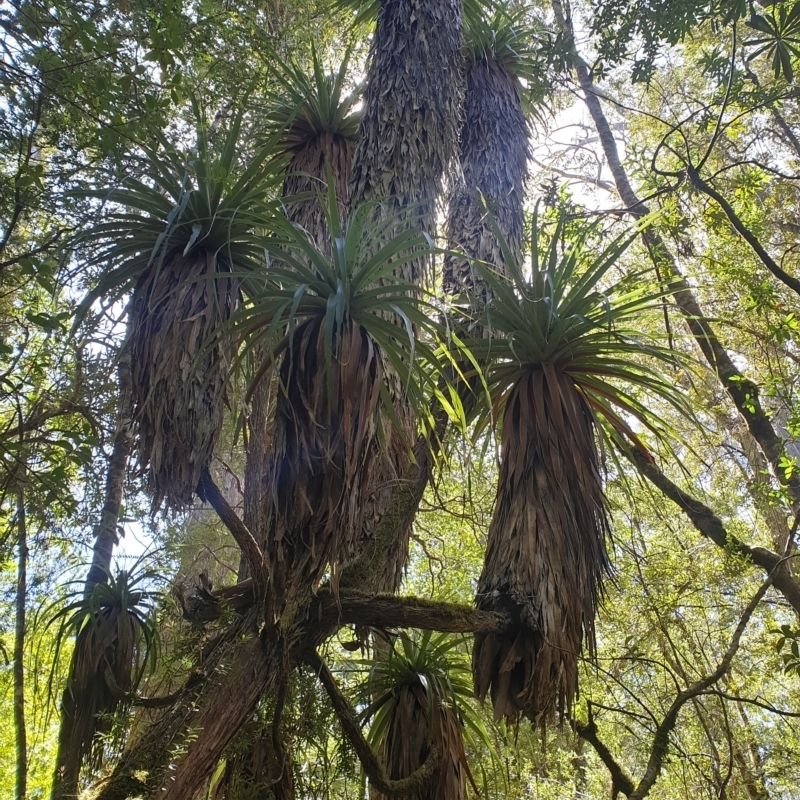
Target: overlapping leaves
358 282
312 105
199 200
433 662
561 319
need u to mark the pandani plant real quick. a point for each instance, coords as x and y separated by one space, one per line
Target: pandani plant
418 697
183 245
316 122
409 124
116 644
502 87
568 366
323 319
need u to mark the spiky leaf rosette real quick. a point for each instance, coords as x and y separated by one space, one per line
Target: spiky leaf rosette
494 149
333 404
317 124
568 365
409 125
183 247
115 644
420 694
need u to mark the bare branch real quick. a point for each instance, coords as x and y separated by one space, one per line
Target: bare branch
711 526
209 491
660 744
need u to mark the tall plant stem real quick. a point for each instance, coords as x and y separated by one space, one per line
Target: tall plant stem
742 391
105 531
67 768
19 648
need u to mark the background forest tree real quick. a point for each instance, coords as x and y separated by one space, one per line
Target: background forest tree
496 263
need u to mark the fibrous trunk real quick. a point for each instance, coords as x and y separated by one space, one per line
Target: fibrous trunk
179 370
322 449
307 174
546 553
494 152
409 127
406 140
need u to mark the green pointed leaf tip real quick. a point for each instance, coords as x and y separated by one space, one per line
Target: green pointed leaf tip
569 317
214 201
360 282
312 103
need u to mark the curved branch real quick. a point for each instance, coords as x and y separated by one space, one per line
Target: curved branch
658 751
375 771
711 527
208 491
766 259
620 780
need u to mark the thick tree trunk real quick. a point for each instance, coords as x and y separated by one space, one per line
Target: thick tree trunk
494 150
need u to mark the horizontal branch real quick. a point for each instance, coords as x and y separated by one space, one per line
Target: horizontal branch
392 611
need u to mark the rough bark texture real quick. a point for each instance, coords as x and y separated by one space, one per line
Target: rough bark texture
494 149
307 173
178 375
323 447
406 140
546 554
407 137
70 747
409 127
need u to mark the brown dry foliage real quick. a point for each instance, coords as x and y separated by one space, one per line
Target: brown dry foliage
409 737
409 126
179 373
307 172
546 553
322 447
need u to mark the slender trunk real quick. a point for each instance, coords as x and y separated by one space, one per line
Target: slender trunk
106 530
68 758
742 391
19 649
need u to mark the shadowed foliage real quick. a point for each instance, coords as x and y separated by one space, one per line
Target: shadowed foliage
115 642
494 149
423 689
568 364
183 246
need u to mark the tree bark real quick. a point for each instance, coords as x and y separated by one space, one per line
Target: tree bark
106 530
67 767
711 526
